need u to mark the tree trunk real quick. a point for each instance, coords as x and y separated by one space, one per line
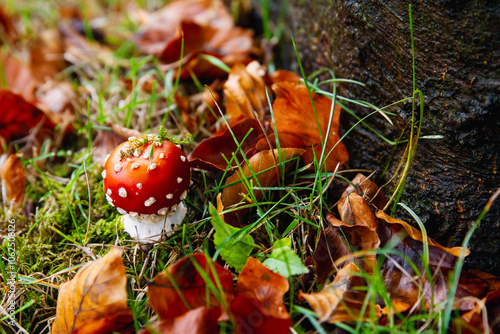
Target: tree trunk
457 68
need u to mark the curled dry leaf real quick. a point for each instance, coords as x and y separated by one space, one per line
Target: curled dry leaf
368 189
417 235
46 56
95 300
295 115
359 238
354 210
258 306
340 301
183 278
265 166
245 91
209 153
13 180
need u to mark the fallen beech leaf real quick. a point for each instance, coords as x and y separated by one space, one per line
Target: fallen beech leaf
245 91
258 306
295 115
164 297
56 102
46 56
360 238
282 75
18 116
104 143
331 302
208 154
201 320
204 25
331 247
368 190
95 300
13 179
235 253
266 170
18 77
354 210
417 235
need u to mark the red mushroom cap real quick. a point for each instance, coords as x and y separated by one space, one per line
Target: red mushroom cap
135 184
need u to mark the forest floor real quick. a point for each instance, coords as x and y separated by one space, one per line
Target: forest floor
279 234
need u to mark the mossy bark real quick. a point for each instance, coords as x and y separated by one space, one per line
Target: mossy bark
457 67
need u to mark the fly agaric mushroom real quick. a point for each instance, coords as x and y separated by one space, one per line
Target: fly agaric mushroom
146 179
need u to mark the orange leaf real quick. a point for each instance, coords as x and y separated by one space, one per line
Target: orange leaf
166 300
295 115
264 166
282 75
245 91
354 210
339 301
258 306
417 235
13 179
95 300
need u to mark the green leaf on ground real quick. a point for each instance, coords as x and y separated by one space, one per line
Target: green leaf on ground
235 253
284 261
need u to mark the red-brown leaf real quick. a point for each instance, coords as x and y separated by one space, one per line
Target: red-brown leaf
201 320
354 210
258 306
164 298
13 179
295 115
208 153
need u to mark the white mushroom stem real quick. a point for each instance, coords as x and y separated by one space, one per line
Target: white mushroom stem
148 228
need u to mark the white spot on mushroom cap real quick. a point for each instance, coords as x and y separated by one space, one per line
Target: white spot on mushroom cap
170 196
122 192
109 191
103 174
135 166
117 167
139 185
137 152
183 158
158 143
107 157
149 201
131 138
163 211
109 199
121 211
162 155
184 195
152 166
179 179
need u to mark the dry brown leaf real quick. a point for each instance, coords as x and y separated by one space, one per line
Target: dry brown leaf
331 302
295 115
354 210
245 91
18 77
205 26
368 189
265 166
164 295
6 26
258 306
95 300
417 235
46 56
13 180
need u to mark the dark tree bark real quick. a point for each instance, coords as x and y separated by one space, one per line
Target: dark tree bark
457 68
